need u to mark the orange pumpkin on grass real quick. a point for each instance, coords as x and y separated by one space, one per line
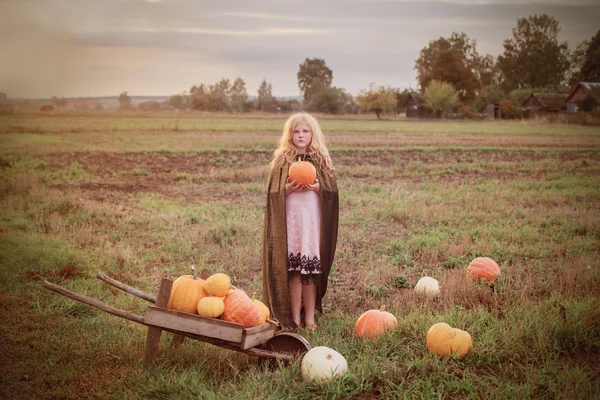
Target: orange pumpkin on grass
375 322
303 172
483 268
446 341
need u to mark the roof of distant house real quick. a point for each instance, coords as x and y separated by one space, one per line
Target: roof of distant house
417 97
551 101
587 86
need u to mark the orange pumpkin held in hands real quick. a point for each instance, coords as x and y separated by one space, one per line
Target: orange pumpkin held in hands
303 172
375 322
483 268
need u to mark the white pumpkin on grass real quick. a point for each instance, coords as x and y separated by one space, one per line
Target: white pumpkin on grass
323 364
428 286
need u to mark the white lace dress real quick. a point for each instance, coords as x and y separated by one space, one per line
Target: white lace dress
303 219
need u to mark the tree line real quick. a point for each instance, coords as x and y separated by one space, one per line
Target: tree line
450 72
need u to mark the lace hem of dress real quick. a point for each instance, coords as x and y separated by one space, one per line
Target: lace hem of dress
305 279
304 266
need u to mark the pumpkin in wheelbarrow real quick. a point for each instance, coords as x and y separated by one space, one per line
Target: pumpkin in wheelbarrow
218 284
186 293
265 314
240 309
211 307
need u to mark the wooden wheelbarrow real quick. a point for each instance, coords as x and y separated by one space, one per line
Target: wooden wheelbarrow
262 341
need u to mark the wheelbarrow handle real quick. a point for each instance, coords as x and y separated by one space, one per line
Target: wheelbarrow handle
95 303
126 288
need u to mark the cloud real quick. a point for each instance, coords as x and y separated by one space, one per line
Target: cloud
39 57
258 32
504 2
73 47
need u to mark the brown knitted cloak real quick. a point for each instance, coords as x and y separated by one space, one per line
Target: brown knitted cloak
275 276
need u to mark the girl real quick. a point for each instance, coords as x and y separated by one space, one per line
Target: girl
301 224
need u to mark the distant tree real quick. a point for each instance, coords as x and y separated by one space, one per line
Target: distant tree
377 99
199 97
219 96
3 97
313 72
265 98
288 105
59 102
464 112
490 94
179 101
482 67
238 96
327 99
401 99
125 102
440 97
149 106
250 105
507 109
352 106
450 66
590 69
576 61
533 57
489 73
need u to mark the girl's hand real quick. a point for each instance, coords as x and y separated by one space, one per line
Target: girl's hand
315 187
291 187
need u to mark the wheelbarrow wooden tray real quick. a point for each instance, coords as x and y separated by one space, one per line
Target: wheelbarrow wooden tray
230 332
261 341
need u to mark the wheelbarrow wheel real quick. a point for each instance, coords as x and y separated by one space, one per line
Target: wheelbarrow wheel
284 343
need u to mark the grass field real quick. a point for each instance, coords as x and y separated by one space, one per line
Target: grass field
140 197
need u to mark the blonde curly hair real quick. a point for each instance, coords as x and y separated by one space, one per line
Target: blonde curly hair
286 151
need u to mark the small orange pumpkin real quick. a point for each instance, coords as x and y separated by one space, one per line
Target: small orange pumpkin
186 292
240 309
303 172
211 307
263 309
445 341
375 322
218 285
483 268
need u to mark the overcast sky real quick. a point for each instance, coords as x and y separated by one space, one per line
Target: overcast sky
162 47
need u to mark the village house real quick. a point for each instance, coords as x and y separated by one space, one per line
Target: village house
491 111
415 107
545 103
580 92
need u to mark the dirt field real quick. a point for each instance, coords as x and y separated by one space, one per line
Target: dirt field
126 196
